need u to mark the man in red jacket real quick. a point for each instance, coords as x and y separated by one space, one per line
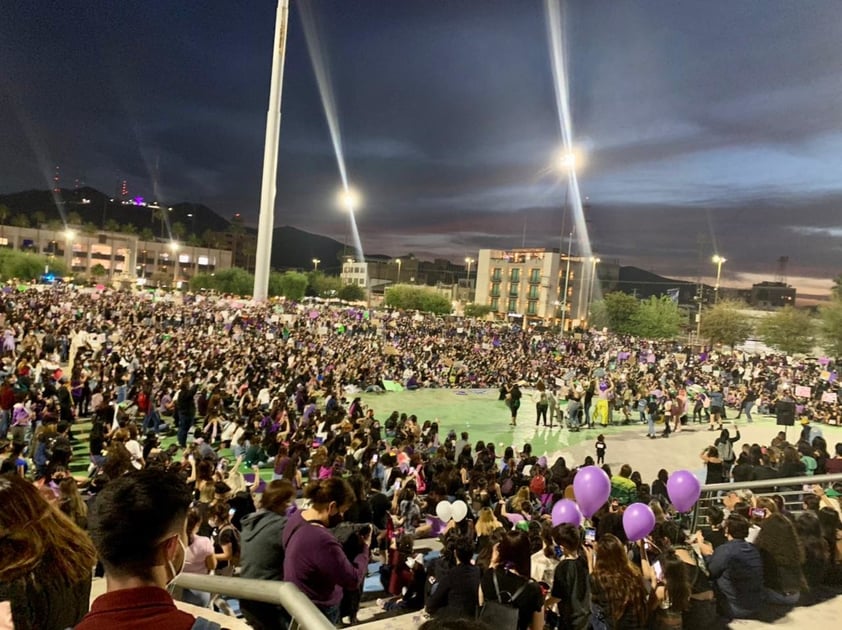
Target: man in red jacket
138 527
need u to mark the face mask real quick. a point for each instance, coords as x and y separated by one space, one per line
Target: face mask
175 573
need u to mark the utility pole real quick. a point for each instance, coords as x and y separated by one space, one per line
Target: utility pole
270 157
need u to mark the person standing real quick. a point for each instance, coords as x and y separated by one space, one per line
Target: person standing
514 402
542 403
186 408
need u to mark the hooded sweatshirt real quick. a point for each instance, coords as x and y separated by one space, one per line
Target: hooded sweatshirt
262 555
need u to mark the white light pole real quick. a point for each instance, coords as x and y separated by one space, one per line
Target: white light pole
594 263
266 221
718 261
398 261
566 284
69 235
567 162
174 249
316 262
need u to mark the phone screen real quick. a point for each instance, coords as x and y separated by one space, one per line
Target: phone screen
590 535
659 572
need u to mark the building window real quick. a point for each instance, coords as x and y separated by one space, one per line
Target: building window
515 275
512 305
535 275
495 304
495 290
513 290
532 307
497 275
533 292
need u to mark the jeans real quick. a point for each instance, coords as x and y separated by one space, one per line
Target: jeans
747 410
331 612
185 422
650 419
5 414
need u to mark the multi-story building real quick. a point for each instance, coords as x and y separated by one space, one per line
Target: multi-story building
531 282
772 295
120 256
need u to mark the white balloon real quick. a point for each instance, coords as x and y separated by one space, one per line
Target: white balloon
460 511
444 511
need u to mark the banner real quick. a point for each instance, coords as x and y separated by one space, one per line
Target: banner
802 391
829 397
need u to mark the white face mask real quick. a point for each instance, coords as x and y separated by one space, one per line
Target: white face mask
175 573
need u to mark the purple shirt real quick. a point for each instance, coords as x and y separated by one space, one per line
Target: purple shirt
316 563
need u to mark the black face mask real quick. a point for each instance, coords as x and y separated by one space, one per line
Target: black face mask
334 519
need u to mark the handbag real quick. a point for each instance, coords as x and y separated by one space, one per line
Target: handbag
500 614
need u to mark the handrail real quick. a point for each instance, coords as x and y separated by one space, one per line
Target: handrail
775 481
709 491
285 594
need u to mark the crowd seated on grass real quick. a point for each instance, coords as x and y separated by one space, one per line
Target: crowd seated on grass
247 387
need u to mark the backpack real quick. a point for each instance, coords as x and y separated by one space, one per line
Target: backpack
538 485
500 614
507 486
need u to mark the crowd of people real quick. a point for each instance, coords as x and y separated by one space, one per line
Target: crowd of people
244 386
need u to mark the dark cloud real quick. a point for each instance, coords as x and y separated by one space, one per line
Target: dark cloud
718 119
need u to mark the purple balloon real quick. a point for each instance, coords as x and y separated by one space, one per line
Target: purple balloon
684 490
566 511
592 488
638 521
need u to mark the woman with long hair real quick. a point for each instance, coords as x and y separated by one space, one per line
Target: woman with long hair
71 504
199 558
816 552
507 580
783 557
46 561
715 467
618 593
672 590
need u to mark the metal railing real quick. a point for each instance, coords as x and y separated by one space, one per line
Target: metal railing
303 612
786 487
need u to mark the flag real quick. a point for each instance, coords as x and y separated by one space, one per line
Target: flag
673 294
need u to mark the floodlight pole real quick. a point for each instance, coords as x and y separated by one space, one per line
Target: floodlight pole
270 158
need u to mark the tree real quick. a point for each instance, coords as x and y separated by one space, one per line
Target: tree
417 298
830 317
20 220
234 281
146 234
98 271
725 323
39 217
351 293
836 290
789 330
25 266
111 225
477 310
74 218
290 284
5 213
128 228
599 315
320 285
89 227
620 308
656 318
194 241
178 230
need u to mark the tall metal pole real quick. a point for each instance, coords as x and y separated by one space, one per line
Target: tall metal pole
566 283
270 157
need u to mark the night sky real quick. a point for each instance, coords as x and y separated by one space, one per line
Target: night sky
715 119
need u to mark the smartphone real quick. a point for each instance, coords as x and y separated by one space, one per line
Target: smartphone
590 535
398 484
659 572
374 458
231 513
758 512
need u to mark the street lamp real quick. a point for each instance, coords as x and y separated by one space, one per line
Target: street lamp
398 261
349 199
469 261
316 262
718 261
